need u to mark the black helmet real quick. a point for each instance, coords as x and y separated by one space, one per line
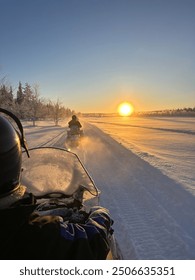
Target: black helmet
74 117
10 155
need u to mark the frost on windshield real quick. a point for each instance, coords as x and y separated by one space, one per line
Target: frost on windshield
50 170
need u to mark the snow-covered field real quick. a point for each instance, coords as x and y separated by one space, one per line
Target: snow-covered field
166 143
144 168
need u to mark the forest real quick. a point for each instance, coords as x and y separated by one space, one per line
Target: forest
28 104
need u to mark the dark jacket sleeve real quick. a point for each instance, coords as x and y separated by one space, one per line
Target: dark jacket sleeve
31 235
90 240
50 237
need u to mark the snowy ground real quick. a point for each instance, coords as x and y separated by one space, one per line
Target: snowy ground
144 169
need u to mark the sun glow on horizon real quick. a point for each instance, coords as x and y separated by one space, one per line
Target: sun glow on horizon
125 109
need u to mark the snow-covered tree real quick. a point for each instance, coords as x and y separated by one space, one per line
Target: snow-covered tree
20 94
35 104
6 97
27 100
57 111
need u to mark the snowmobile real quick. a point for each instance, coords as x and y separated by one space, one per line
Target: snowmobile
74 136
60 182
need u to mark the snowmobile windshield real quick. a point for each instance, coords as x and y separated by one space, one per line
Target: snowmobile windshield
50 170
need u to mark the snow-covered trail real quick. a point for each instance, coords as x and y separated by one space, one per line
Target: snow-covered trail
153 215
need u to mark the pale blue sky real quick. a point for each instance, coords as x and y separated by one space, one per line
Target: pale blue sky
93 54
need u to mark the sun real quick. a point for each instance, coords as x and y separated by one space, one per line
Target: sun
125 109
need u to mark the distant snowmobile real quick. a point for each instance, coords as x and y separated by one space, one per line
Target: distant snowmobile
74 136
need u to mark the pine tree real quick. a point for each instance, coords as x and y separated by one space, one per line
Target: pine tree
20 95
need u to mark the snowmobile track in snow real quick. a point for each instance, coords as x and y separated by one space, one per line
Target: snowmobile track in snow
58 141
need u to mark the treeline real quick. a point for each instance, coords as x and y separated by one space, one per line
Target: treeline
183 112
28 104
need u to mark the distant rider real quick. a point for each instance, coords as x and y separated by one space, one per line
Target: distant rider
75 126
74 122
27 235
